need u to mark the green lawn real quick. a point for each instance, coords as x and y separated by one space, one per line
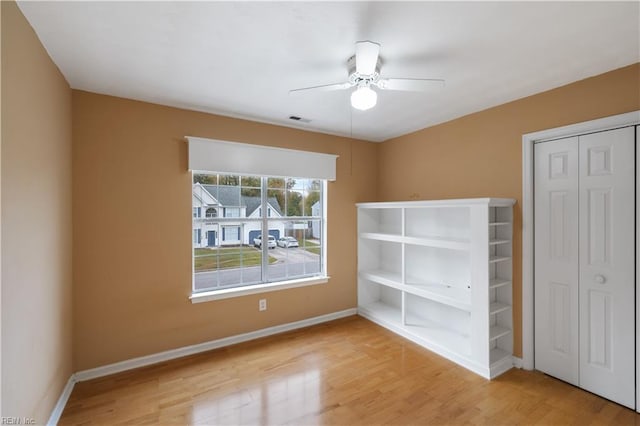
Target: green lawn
206 259
312 247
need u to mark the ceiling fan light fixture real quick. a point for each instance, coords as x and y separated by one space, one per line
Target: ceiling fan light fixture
364 98
364 73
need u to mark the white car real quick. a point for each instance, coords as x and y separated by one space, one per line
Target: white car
287 242
271 241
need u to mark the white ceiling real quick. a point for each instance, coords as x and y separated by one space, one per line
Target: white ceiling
240 59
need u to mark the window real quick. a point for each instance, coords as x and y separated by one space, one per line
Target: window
276 224
231 212
231 234
233 253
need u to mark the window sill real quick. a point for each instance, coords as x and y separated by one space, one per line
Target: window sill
228 293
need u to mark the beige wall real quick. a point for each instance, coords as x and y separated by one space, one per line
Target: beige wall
480 155
132 230
36 223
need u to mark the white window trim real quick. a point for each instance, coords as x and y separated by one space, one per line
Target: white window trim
228 293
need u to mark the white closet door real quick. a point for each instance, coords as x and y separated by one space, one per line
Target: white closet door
556 258
607 296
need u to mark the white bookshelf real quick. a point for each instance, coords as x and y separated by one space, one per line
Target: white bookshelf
440 274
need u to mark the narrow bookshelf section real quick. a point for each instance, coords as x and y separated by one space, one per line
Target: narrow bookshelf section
500 291
439 273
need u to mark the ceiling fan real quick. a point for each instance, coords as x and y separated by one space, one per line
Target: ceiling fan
364 72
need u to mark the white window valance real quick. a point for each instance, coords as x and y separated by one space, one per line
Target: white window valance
211 155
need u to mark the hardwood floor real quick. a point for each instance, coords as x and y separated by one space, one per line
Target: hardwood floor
346 372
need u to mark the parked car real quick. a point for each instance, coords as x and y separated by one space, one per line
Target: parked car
271 241
287 242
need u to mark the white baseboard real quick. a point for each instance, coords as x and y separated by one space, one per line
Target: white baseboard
130 364
517 362
62 402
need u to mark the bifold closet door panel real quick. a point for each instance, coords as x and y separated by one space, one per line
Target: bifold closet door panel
556 258
607 259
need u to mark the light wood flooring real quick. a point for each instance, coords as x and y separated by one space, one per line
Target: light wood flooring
346 372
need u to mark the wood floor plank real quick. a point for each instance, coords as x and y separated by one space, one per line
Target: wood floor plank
346 372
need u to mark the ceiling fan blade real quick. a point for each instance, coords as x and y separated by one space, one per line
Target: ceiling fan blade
410 84
366 57
322 88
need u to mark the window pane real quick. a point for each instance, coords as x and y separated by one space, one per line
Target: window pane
313 197
251 271
275 183
275 198
294 202
205 263
313 244
298 252
250 197
205 179
228 180
229 262
250 182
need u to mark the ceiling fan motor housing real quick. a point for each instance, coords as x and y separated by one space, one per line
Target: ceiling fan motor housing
357 79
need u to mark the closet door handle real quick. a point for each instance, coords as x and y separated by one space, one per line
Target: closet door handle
600 279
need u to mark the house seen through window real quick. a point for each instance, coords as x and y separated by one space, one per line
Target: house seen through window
229 227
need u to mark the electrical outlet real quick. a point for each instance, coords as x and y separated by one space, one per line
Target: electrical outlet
262 304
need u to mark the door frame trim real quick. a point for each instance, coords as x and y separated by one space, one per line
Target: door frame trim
528 140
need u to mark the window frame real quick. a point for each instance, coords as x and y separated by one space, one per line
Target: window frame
232 212
231 292
214 215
